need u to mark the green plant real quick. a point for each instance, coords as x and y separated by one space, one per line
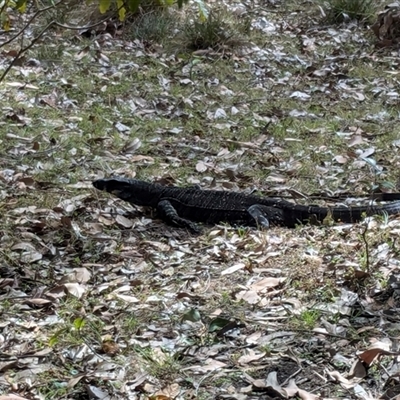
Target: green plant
226 298
343 10
131 6
242 232
266 348
130 324
307 319
77 331
158 363
219 30
154 26
57 14
120 7
54 389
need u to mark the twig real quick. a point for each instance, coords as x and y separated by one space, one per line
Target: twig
23 50
34 40
29 23
291 377
364 237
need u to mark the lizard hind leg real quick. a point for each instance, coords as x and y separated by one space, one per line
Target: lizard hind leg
167 213
263 215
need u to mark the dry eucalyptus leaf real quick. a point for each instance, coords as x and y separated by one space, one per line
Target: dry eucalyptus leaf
75 289
123 221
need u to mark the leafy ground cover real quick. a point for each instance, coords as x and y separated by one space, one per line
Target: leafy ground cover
99 300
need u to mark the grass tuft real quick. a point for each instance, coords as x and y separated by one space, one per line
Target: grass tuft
156 26
220 31
347 10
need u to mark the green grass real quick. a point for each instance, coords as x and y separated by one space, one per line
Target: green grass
308 319
220 31
345 10
154 26
167 96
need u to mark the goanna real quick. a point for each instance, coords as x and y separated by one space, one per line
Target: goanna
184 207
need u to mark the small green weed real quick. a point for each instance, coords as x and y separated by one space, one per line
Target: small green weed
266 348
242 232
226 298
54 389
310 317
160 364
307 319
48 52
130 324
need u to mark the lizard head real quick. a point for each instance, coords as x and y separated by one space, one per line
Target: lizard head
134 191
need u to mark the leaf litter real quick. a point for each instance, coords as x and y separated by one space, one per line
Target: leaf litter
97 297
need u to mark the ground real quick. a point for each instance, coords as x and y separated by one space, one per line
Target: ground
102 300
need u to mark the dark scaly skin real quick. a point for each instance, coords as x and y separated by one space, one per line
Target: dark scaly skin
184 206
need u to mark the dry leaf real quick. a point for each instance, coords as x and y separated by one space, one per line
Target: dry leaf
123 221
75 289
201 167
233 269
266 283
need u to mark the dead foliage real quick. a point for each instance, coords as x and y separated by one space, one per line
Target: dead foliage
99 299
387 26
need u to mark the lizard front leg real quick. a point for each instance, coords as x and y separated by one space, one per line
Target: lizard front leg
264 214
167 213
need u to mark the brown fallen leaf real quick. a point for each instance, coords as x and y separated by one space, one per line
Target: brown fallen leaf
250 296
169 392
110 347
370 355
357 370
266 283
